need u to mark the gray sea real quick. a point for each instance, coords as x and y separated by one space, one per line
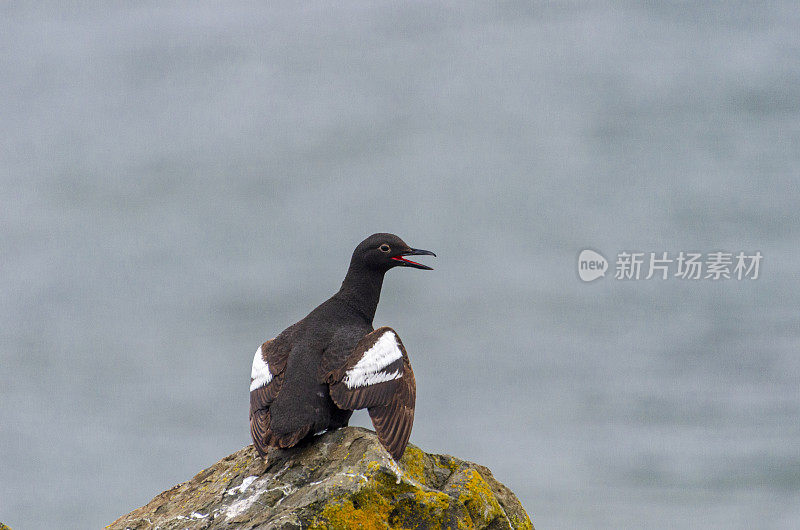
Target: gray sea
181 181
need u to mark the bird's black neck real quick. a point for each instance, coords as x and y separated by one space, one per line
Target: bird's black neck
361 290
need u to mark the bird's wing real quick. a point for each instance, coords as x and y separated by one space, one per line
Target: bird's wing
377 376
266 379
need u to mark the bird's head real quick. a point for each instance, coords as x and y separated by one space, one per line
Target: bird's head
384 251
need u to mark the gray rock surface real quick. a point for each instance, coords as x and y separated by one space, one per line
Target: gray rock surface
342 479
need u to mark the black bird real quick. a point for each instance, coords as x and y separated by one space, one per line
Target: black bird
317 371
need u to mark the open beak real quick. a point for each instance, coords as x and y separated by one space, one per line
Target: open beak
414 252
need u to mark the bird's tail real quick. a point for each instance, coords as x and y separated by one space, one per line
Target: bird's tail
264 437
260 431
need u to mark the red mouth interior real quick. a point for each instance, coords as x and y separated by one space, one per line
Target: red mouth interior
401 258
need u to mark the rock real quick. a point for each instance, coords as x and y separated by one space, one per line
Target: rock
342 479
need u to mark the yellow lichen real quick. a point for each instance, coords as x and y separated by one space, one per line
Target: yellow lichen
520 525
478 498
435 500
365 509
422 509
413 464
385 503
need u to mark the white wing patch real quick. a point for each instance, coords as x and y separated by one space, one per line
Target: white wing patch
260 375
367 370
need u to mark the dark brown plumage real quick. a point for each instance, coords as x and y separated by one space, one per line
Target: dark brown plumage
316 372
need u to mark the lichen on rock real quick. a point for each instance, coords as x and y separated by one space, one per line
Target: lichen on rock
342 479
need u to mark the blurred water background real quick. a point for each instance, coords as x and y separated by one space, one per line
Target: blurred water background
181 181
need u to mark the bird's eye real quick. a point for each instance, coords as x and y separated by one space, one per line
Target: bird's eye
384 248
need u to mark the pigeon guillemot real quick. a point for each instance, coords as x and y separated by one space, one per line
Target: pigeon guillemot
317 371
